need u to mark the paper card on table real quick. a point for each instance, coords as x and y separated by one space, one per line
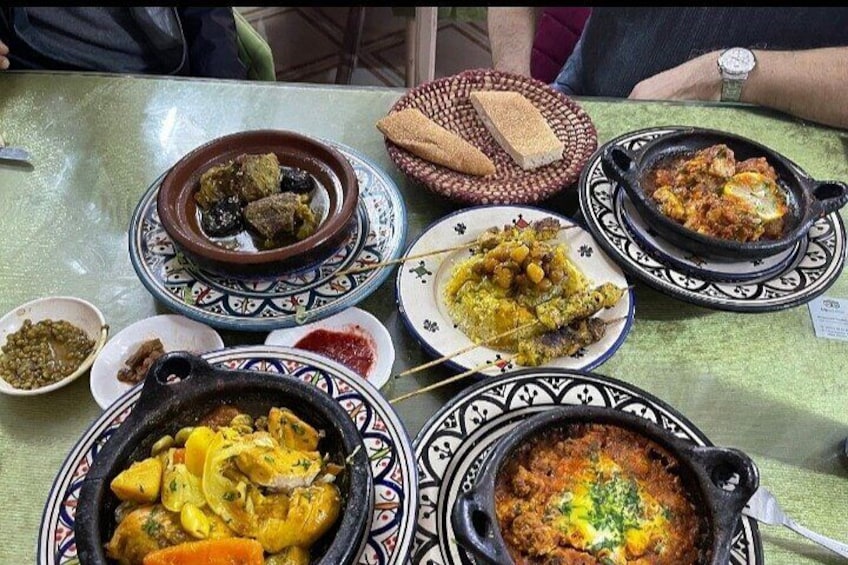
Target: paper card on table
830 317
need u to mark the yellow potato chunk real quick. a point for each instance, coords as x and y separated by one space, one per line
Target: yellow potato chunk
140 482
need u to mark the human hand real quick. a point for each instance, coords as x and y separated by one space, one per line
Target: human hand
4 61
696 79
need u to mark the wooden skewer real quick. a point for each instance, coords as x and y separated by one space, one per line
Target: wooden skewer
476 345
469 372
451 379
363 268
465 349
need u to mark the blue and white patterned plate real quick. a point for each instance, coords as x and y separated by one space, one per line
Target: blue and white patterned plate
421 283
390 537
377 233
453 444
704 267
816 265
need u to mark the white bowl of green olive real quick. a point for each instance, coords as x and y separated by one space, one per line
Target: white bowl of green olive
47 343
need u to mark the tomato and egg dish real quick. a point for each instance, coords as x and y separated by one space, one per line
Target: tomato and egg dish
712 193
595 494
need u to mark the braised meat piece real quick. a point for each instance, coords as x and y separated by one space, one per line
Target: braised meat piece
280 217
137 364
250 177
259 176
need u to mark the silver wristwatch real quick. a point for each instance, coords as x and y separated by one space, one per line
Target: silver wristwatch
735 64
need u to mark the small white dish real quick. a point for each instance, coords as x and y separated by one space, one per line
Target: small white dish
81 313
350 320
177 333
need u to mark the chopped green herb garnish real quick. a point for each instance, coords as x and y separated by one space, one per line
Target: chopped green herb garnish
305 463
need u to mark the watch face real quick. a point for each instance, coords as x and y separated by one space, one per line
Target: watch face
737 60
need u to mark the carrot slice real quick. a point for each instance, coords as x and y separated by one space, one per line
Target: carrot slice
226 551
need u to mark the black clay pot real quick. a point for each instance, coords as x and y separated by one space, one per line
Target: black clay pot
808 199
164 407
475 521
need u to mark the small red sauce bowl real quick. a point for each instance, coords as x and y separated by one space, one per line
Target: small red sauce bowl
178 211
353 348
337 336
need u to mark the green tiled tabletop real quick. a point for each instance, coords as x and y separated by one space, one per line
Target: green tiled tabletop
760 382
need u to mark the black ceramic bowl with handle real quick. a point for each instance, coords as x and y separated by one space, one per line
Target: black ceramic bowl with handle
807 199
167 404
701 469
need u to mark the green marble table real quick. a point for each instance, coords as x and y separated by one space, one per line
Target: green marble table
760 382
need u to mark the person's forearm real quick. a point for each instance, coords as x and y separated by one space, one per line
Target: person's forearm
4 60
511 34
811 84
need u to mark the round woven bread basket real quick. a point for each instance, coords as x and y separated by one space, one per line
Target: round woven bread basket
445 101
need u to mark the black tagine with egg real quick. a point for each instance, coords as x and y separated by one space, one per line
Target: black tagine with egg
717 481
806 199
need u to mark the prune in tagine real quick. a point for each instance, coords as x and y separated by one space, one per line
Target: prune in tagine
223 218
296 180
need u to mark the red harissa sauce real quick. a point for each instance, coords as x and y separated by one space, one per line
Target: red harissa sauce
351 349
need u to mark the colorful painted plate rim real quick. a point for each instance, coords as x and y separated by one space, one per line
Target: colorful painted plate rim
452 363
374 279
46 549
624 391
700 296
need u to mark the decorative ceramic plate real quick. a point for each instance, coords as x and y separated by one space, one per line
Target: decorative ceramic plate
445 101
816 265
376 234
453 444
390 538
704 267
421 283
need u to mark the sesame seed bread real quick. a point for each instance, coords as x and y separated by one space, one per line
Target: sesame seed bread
423 137
518 127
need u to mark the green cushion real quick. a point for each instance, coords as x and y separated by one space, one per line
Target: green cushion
254 51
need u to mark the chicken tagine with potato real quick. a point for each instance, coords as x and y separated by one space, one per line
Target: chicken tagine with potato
713 194
233 489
